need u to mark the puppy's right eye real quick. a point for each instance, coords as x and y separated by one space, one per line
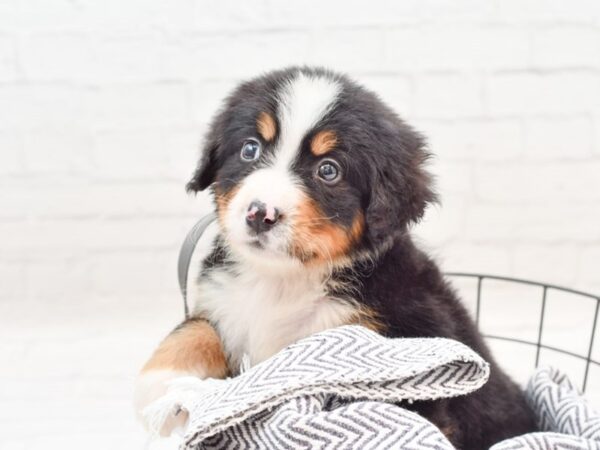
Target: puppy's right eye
250 150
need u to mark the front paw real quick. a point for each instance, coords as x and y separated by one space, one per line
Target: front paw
167 414
164 399
150 386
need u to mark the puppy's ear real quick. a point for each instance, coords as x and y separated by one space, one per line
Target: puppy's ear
401 187
206 171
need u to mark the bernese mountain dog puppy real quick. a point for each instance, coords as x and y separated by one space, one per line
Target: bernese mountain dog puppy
316 184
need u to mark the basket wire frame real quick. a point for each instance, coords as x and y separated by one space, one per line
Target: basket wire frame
539 344
539 341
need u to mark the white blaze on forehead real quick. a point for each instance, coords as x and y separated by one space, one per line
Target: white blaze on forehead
303 101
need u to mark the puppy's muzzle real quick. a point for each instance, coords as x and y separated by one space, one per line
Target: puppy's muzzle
261 217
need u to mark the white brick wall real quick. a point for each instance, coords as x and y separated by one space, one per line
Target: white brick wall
102 106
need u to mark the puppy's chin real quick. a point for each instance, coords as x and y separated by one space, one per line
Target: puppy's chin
269 259
265 253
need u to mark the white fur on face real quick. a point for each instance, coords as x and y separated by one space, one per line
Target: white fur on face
302 102
275 188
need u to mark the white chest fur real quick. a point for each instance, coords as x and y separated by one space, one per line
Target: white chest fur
258 314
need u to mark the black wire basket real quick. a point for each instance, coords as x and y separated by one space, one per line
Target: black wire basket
534 307
541 342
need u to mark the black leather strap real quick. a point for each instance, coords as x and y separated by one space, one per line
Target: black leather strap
186 252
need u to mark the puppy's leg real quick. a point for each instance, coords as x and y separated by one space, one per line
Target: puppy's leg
437 412
192 349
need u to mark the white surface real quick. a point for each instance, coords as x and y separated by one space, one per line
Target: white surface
102 105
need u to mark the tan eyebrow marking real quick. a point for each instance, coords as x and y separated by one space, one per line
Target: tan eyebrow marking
266 126
323 142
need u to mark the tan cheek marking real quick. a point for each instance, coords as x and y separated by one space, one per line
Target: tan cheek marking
266 126
317 239
223 200
358 227
194 347
323 142
448 431
367 318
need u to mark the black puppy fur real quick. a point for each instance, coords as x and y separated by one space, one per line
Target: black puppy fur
385 182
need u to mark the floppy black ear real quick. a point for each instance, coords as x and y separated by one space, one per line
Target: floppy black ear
401 188
205 172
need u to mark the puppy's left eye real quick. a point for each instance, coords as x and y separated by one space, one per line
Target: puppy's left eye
250 150
329 171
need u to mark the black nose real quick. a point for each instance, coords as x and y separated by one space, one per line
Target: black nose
261 217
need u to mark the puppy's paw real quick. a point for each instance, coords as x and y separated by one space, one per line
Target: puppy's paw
150 386
163 400
166 415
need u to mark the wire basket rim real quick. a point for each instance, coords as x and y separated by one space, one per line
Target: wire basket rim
538 343
524 281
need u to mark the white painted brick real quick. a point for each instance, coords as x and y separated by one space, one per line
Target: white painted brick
553 93
468 257
85 387
11 149
347 50
134 273
546 222
8 59
316 13
235 55
547 12
401 53
155 317
444 223
40 15
457 46
130 154
448 96
559 183
57 279
207 98
561 47
474 140
55 151
39 357
183 152
72 408
141 105
589 268
77 198
134 58
233 16
445 139
596 130
13 276
394 90
83 235
59 435
559 138
493 224
102 109
463 12
57 56
116 18
30 106
557 263
451 178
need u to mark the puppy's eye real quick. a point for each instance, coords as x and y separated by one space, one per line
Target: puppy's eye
329 171
250 150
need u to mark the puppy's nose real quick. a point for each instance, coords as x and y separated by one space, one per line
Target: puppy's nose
261 217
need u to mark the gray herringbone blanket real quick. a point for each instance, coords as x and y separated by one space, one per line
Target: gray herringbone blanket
337 389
